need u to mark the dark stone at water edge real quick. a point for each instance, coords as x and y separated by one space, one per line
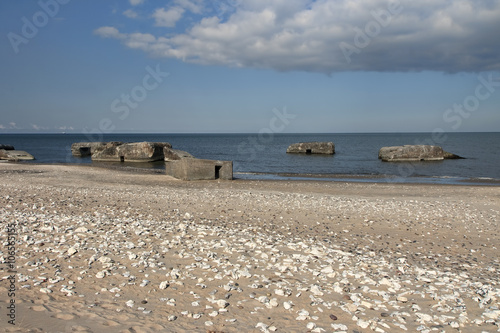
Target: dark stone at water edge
414 153
327 148
6 147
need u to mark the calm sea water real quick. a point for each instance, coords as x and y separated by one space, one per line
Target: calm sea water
264 156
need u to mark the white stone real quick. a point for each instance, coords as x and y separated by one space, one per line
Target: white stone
263 327
311 325
363 323
339 327
263 299
316 291
72 251
81 230
279 292
45 290
327 270
366 304
222 304
105 260
101 274
273 302
385 282
351 307
493 314
424 316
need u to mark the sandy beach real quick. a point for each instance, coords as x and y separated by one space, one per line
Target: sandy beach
109 250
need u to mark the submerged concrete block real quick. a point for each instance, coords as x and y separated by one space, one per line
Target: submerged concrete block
15 155
199 169
327 148
175 154
130 152
414 153
83 149
107 152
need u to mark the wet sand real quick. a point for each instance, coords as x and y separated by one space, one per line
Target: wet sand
125 251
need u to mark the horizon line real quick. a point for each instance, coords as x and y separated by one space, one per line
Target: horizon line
242 133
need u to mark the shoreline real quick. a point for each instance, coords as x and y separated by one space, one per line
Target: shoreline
389 179
111 250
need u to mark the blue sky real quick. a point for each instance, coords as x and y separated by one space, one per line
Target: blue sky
188 66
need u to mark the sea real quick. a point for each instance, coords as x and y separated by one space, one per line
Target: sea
263 156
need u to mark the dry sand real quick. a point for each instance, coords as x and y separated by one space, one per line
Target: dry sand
102 250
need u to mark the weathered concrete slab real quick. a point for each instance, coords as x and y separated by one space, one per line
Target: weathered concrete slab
199 169
327 148
414 153
175 154
83 149
130 152
15 155
107 152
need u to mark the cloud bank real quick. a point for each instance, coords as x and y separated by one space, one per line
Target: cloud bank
327 35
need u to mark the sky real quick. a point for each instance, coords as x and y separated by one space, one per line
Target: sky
253 66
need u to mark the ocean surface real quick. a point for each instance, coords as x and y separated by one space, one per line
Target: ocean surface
263 156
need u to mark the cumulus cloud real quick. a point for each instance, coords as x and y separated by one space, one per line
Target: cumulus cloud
38 127
130 13
331 35
136 2
168 18
194 6
110 32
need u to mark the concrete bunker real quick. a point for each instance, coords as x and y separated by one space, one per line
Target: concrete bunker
130 152
309 148
84 149
199 169
414 153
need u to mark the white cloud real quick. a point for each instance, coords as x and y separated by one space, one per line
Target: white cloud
109 32
195 6
136 2
2 126
168 18
306 35
130 13
13 125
